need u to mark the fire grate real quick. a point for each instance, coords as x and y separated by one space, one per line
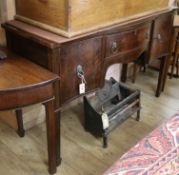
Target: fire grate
109 107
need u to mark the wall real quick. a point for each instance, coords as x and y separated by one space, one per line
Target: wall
7 9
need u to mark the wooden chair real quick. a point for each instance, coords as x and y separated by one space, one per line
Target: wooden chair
175 55
20 125
139 63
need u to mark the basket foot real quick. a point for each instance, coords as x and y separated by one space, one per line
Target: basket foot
138 116
105 141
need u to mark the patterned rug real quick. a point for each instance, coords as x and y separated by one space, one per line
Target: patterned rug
156 154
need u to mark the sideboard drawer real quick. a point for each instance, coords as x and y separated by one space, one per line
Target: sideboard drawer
162 32
86 53
128 40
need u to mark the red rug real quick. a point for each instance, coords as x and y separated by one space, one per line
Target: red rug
156 154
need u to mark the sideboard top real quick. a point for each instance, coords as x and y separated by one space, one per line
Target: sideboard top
75 17
53 40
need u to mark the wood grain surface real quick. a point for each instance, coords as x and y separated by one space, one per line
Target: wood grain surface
20 73
73 17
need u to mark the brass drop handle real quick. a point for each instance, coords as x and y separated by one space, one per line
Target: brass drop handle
114 47
159 37
80 74
147 35
79 71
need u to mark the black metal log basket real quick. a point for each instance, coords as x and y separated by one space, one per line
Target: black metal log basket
109 107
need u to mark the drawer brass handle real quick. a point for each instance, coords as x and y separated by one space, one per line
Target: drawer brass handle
79 71
114 47
147 35
159 37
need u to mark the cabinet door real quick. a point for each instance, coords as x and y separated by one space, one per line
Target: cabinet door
162 30
88 54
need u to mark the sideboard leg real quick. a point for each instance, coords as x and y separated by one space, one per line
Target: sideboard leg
124 73
51 122
58 116
20 125
161 77
139 106
105 140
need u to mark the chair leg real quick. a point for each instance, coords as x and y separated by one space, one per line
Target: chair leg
124 73
20 131
144 68
174 63
105 140
161 76
134 73
175 58
172 66
177 67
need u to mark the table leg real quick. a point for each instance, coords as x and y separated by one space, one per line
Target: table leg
174 52
58 116
161 76
124 73
134 73
51 122
20 125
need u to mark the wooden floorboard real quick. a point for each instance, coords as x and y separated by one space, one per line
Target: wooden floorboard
82 153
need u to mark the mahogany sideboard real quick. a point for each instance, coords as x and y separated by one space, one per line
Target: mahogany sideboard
122 43
95 51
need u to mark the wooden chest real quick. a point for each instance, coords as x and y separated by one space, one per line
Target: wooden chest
74 17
